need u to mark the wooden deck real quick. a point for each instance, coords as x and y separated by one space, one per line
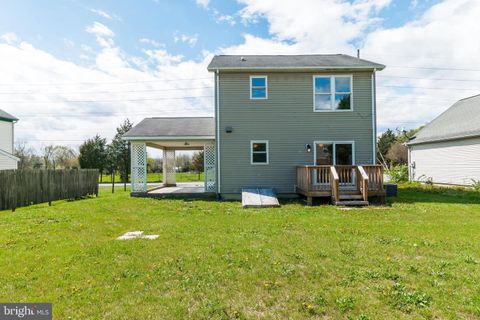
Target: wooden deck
346 185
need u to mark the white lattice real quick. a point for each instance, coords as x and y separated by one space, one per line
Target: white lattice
169 171
138 152
209 167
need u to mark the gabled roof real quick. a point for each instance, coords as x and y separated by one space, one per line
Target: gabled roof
5 116
462 120
291 62
173 128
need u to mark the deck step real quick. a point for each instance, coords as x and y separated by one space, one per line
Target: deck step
259 198
351 197
351 203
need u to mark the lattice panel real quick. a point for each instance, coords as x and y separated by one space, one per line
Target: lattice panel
169 167
209 164
138 152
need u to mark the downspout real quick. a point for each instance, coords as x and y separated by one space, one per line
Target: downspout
217 118
374 119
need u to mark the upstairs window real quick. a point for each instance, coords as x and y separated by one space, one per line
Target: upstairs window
258 87
332 93
259 152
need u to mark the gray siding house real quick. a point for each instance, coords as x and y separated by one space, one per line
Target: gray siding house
447 150
276 113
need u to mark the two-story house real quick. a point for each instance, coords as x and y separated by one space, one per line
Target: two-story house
280 122
7 159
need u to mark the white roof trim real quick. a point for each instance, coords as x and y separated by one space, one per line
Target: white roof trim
168 138
7 154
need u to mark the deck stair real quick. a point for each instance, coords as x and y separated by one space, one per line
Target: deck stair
259 198
347 185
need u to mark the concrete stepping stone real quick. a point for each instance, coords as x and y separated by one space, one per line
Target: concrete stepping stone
137 235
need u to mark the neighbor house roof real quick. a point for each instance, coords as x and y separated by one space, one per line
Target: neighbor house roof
172 128
462 120
293 62
5 116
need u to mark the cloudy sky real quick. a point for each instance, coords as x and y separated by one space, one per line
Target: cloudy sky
72 68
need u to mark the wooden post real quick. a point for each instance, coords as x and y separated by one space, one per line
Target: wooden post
113 181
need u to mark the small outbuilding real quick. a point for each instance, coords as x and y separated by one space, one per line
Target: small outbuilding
447 150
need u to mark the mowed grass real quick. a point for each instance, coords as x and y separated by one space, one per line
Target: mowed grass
157 177
417 258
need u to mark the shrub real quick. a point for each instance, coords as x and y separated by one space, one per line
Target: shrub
398 173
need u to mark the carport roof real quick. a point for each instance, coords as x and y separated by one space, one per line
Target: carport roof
173 128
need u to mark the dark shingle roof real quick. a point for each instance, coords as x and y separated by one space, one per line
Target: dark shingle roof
461 120
310 62
173 127
5 116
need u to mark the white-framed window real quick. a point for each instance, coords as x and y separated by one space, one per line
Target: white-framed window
332 93
258 87
259 152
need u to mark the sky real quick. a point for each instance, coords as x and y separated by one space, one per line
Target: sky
70 69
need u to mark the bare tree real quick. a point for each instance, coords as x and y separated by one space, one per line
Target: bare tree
25 153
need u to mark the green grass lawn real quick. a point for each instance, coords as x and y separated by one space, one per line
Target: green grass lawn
417 258
157 177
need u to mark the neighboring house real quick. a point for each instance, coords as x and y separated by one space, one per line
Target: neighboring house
447 150
7 159
272 115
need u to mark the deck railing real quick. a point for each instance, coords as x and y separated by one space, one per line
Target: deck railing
334 180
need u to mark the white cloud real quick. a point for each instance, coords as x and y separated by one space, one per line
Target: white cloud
151 42
9 37
101 13
46 92
203 3
190 40
100 30
219 18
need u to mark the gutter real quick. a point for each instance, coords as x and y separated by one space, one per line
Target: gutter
413 142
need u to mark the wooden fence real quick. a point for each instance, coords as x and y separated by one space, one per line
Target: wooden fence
20 188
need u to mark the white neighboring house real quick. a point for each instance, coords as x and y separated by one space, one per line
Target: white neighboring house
447 150
7 159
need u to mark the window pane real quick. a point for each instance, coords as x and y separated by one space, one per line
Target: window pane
324 154
343 154
258 82
262 147
322 102
259 93
342 102
259 158
322 85
342 84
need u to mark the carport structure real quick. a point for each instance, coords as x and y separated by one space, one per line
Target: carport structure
171 135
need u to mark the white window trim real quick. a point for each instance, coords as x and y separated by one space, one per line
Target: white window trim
334 155
332 91
266 87
267 152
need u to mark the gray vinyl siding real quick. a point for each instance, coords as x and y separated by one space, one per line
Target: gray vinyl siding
287 120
